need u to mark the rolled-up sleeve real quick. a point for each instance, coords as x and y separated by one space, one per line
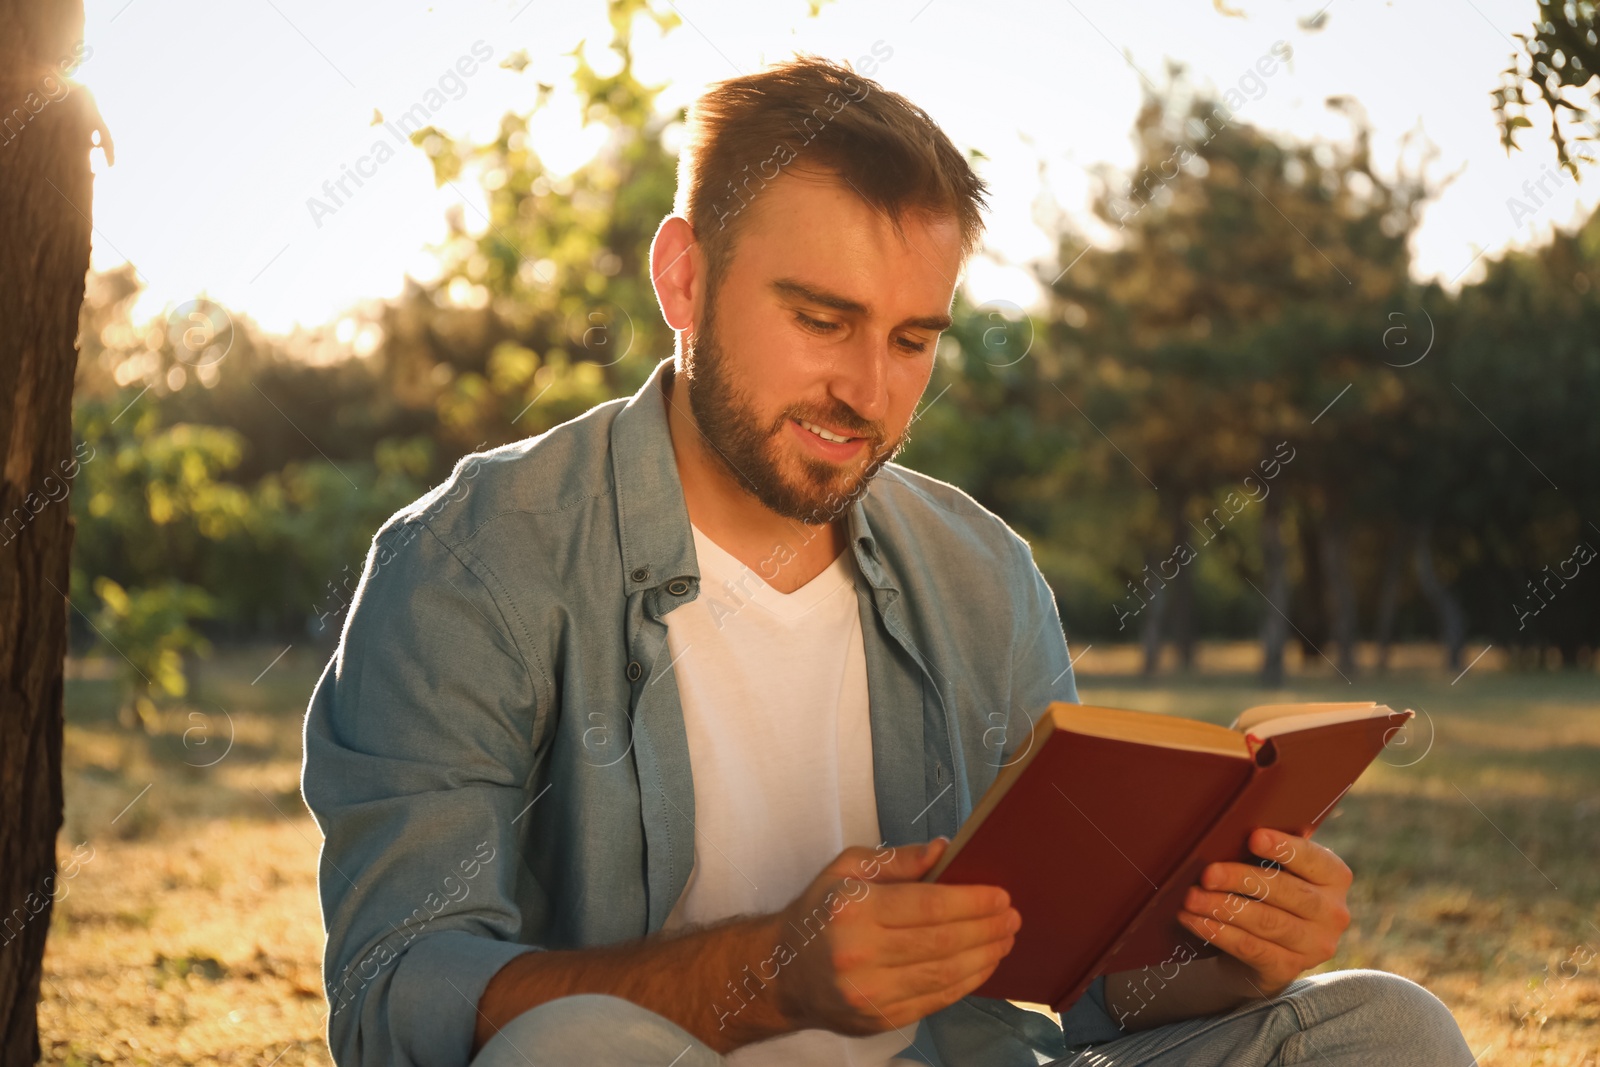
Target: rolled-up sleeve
419 758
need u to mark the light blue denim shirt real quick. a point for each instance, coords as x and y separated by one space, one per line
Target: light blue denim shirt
496 751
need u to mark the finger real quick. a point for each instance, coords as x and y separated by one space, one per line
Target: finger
920 904
886 863
1284 888
1315 863
1247 948
964 970
879 1013
1264 920
908 1012
905 946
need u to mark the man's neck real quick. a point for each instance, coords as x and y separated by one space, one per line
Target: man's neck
783 552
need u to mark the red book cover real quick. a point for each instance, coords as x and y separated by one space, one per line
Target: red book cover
1100 827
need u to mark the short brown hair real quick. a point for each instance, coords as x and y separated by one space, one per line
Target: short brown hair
744 131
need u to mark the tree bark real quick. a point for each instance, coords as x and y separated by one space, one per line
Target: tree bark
45 192
1275 619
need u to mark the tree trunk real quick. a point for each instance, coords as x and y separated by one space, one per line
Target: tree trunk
1452 621
1394 572
1313 627
1150 630
1341 593
1180 623
1275 619
45 191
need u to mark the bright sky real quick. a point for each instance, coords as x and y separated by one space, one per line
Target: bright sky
228 117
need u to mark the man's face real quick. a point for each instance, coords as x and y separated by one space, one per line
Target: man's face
807 363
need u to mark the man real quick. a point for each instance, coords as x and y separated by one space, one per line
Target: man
641 732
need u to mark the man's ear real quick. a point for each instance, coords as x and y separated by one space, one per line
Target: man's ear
676 264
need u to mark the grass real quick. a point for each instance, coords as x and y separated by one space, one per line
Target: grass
1475 841
190 932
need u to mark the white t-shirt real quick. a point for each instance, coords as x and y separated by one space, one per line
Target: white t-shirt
774 694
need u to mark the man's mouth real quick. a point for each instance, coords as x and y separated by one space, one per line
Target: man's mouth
825 434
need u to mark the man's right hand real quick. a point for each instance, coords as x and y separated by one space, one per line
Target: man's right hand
877 949
872 948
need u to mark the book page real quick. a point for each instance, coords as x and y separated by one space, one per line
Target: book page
1262 712
1148 728
1348 713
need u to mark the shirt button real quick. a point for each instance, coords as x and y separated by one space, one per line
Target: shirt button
641 574
634 671
678 587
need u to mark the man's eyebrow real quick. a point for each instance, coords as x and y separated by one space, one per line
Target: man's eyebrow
812 294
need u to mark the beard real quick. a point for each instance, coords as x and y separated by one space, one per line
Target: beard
750 449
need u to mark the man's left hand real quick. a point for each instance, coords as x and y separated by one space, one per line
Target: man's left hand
1273 924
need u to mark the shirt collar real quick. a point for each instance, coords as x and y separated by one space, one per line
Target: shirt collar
865 545
652 517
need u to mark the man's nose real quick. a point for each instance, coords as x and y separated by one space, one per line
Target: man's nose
861 378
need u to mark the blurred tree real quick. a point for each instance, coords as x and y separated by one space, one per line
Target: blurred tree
1521 492
544 306
1252 319
1237 303
277 554
149 630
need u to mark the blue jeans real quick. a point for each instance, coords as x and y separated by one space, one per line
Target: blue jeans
1336 1019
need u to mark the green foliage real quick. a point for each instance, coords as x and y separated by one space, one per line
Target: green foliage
154 502
1561 54
148 629
550 308
156 490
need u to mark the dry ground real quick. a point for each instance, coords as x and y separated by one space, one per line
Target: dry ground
189 932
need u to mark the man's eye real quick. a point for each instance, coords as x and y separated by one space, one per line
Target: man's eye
821 326
815 324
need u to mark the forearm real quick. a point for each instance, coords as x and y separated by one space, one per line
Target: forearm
683 977
1143 998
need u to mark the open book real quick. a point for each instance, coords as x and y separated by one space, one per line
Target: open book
1104 819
